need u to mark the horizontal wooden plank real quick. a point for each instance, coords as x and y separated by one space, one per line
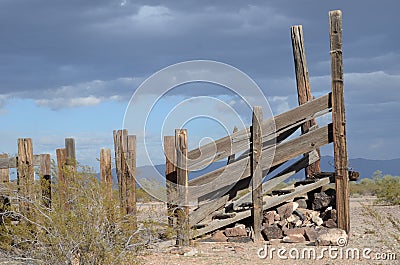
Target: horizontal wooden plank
269 202
268 185
12 162
239 141
206 209
221 180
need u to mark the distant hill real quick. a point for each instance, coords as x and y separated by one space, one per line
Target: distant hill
366 168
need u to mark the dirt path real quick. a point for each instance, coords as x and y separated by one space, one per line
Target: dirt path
373 227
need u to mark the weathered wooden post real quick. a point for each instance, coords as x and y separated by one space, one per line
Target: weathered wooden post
131 177
45 179
61 160
170 176
120 164
256 172
105 170
303 87
25 171
181 146
4 172
70 154
125 161
339 121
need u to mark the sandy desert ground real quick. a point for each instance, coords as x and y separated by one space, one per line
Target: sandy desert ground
375 231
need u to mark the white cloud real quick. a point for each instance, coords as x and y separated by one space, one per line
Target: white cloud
87 93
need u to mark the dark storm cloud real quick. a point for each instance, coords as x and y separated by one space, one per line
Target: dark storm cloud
71 53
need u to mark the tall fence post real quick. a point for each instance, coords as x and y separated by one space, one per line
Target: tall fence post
170 176
25 171
256 172
105 170
131 178
61 170
120 164
45 179
181 146
339 121
4 172
303 87
125 161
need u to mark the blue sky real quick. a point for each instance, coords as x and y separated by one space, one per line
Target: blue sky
69 68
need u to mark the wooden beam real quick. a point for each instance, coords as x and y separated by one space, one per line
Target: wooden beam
224 178
240 140
181 147
170 176
269 202
270 184
339 121
256 172
11 162
303 86
45 179
206 209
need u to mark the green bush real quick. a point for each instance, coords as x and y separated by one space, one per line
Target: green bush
387 188
83 226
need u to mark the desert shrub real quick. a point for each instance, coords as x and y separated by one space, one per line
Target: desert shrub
84 224
363 187
387 188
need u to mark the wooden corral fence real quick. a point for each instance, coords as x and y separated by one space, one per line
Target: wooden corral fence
215 193
25 163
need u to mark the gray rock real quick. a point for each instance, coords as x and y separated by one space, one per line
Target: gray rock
294 231
238 230
310 233
317 220
330 223
287 209
294 239
269 217
302 203
331 237
272 232
218 237
324 199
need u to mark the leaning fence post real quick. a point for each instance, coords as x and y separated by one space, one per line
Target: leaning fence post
303 87
45 179
339 121
183 232
25 171
256 172
170 176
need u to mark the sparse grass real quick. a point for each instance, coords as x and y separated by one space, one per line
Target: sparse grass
381 221
83 226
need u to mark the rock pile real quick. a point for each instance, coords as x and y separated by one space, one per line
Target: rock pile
311 219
